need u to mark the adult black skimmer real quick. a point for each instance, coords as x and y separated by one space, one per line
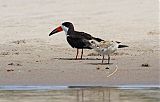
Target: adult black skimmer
106 47
76 39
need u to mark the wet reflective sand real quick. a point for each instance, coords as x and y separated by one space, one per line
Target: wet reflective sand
81 95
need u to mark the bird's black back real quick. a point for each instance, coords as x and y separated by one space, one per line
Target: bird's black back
80 40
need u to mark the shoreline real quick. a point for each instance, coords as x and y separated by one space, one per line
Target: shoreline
133 87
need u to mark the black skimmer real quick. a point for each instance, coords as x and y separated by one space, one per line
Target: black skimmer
106 47
76 39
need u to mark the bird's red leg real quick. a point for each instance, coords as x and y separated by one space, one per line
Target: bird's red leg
82 53
77 53
102 58
108 59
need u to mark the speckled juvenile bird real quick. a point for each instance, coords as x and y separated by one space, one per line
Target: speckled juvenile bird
106 47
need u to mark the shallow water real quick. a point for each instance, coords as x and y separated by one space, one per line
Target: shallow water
88 94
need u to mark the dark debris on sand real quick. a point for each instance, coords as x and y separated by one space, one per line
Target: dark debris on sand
145 65
14 64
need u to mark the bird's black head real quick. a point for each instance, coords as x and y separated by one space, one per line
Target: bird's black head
66 26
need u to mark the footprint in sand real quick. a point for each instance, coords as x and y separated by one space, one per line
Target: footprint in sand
19 42
4 53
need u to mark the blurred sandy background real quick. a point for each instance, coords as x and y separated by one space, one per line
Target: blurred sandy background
28 56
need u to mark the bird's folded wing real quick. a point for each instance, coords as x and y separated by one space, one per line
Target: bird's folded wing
81 35
105 44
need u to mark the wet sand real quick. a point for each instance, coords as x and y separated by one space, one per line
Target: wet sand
81 95
28 56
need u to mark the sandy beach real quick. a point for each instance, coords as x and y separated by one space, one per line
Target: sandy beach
28 56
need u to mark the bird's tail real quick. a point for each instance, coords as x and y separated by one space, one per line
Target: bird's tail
97 39
122 46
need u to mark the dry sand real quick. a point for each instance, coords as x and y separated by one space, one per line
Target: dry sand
28 56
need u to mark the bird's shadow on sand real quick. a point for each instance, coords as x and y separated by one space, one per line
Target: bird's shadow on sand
100 63
79 59
86 59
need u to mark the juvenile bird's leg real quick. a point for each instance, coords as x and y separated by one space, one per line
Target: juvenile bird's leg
108 59
77 53
102 58
82 53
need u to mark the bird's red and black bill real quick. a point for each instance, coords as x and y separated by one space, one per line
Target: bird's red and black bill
58 29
